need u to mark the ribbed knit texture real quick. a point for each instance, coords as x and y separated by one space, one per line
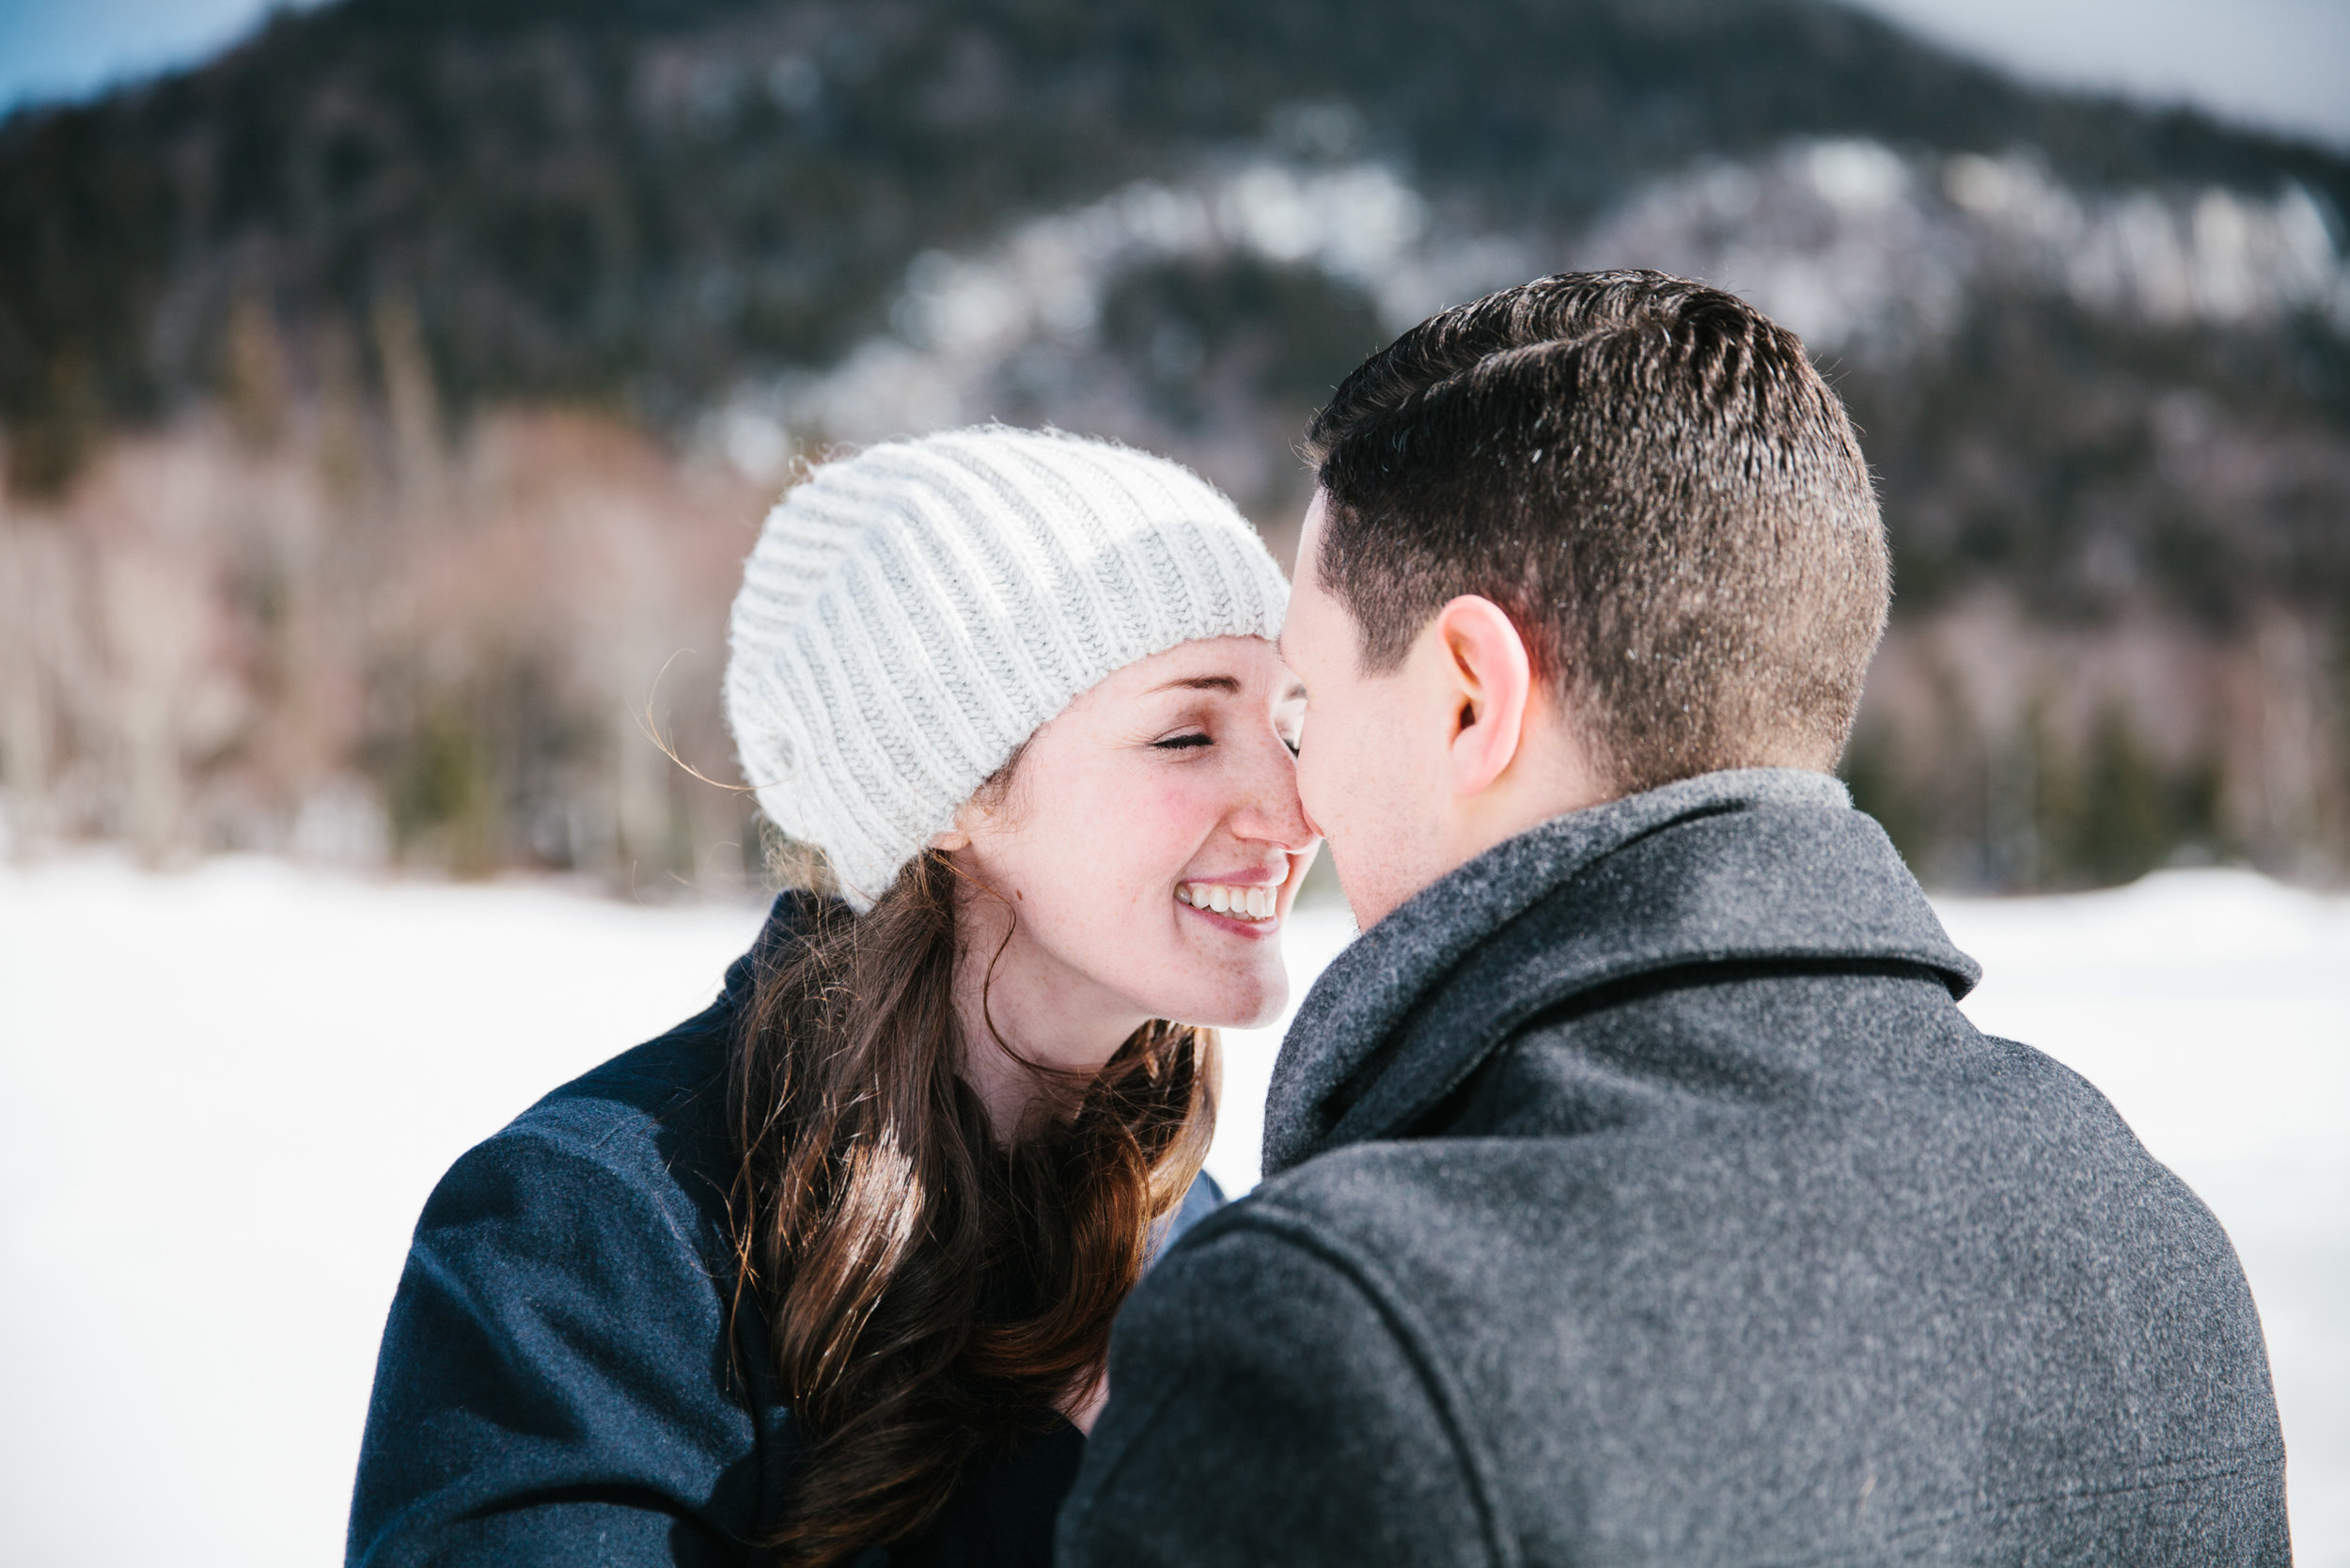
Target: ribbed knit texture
913 613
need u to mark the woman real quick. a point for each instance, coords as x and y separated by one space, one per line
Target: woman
826 1273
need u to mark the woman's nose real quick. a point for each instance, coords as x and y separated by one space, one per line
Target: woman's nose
1269 809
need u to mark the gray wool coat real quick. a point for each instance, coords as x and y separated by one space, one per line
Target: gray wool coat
1638 1195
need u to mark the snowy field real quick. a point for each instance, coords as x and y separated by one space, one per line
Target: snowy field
228 1093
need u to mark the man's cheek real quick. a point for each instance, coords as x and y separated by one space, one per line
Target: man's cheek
1312 761
1340 783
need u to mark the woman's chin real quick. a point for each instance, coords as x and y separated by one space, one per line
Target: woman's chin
1252 1008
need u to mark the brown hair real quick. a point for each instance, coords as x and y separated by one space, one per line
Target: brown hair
930 1293
1653 483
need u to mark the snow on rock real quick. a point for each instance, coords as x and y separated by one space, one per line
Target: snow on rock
231 1090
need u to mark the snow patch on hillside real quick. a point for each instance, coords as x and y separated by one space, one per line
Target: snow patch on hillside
1869 253
1862 250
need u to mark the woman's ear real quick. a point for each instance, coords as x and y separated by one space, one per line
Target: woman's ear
1490 677
957 836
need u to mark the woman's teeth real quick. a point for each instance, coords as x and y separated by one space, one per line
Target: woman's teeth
1241 903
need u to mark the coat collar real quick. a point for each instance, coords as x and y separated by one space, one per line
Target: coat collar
1764 864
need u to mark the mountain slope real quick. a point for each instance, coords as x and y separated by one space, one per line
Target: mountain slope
648 200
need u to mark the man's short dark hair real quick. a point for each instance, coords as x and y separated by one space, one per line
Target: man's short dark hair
1653 483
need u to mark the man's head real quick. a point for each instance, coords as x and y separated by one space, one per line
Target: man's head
1576 540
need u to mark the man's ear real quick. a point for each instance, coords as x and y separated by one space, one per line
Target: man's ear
1491 681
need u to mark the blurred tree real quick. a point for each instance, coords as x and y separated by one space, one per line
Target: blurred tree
255 392
1238 328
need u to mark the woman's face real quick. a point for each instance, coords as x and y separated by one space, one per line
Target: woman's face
1149 846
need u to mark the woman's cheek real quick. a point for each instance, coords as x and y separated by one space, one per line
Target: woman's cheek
1150 839
1190 807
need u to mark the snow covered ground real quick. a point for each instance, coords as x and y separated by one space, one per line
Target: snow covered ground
228 1093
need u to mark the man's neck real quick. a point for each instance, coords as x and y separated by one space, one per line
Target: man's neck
1490 828
1552 774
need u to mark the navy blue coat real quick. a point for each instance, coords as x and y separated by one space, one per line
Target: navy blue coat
555 1384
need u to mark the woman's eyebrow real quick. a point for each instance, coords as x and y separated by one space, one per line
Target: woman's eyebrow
1199 683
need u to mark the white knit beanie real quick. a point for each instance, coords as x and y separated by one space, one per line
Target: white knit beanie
913 613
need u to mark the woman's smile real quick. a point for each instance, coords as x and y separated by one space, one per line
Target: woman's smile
1248 904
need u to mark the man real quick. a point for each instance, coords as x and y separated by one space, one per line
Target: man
1636 1192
